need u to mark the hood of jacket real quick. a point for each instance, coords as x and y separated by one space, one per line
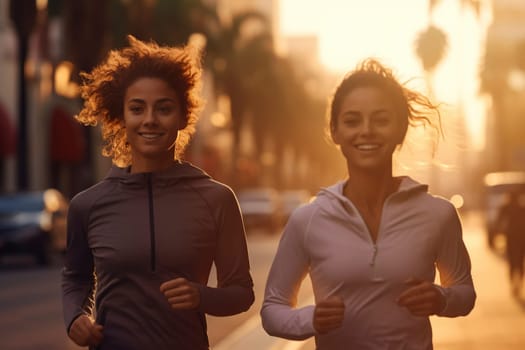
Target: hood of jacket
177 172
332 200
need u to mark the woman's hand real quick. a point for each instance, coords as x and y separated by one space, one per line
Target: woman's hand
329 314
85 332
421 298
181 293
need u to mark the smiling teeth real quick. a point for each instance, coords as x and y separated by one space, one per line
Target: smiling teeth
150 136
367 147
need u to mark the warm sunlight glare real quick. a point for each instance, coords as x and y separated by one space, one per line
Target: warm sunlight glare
350 30
63 84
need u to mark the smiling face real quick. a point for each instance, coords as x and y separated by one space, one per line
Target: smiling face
152 118
367 129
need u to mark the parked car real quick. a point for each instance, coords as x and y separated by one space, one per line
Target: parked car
261 208
497 187
292 199
33 223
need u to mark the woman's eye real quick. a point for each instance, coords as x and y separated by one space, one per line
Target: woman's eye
351 122
383 120
135 109
165 109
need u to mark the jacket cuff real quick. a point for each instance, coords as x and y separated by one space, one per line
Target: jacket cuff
444 299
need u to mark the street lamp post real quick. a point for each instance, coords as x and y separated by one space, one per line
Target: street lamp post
23 14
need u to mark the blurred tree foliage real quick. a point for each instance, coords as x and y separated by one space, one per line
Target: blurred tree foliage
431 44
258 82
431 47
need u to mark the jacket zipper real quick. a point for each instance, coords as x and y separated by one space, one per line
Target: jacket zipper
151 224
374 255
374 244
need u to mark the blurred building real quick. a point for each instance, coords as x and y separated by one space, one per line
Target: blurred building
503 76
8 88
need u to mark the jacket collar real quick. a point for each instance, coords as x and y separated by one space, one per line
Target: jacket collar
177 172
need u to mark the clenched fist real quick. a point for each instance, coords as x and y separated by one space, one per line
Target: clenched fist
181 293
421 298
329 314
85 332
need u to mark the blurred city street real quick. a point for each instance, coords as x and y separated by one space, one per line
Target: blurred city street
268 69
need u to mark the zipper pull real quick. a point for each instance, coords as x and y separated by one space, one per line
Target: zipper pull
374 255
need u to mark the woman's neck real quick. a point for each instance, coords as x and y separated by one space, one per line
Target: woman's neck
150 166
370 190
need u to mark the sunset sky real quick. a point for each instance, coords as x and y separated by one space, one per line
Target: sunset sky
350 30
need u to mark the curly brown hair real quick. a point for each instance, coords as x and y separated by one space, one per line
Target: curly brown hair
412 107
104 88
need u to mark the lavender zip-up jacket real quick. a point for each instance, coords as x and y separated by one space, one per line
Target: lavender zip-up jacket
130 233
329 240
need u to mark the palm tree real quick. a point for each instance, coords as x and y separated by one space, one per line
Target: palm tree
234 59
431 44
431 47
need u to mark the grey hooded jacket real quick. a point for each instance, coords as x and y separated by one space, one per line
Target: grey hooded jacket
130 233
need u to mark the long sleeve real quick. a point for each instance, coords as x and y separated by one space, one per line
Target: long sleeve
78 280
234 292
279 314
453 263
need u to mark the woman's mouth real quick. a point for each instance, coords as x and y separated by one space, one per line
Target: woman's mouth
150 135
367 147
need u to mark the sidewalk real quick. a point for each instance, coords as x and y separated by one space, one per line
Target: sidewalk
496 323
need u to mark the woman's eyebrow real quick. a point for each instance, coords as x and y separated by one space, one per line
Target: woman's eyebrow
135 100
351 113
166 99
162 100
356 113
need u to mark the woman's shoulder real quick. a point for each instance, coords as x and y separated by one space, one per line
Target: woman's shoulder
304 212
214 192
439 202
88 196
419 193
213 186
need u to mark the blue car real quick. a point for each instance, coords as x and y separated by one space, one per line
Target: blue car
33 223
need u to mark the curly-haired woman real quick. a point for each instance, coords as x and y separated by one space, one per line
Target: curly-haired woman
141 242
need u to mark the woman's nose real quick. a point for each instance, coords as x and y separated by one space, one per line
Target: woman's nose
366 127
150 117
